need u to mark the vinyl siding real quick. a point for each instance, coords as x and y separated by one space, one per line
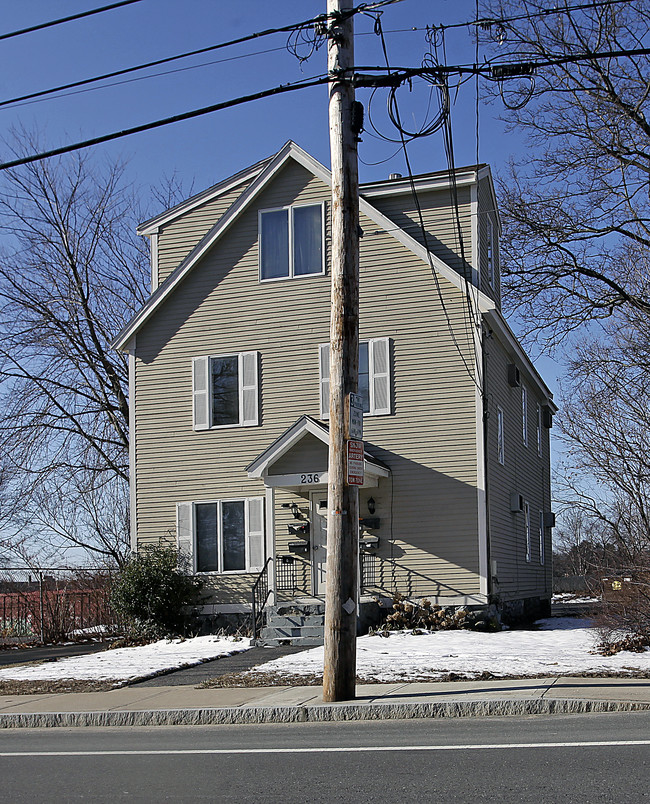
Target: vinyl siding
428 442
442 234
525 473
178 238
486 210
308 455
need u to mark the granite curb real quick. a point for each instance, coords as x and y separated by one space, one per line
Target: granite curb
315 714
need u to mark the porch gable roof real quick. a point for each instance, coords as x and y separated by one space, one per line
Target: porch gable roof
292 435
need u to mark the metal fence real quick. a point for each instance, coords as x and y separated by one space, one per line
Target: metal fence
50 605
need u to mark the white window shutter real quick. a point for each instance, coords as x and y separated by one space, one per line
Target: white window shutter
201 392
324 361
255 534
380 380
185 533
249 395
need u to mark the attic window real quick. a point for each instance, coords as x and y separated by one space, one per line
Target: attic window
291 242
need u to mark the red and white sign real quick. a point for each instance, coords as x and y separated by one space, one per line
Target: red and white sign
355 463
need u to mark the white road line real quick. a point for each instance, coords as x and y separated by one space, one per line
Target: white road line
332 750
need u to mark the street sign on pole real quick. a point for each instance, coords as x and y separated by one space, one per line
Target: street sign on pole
355 463
354 413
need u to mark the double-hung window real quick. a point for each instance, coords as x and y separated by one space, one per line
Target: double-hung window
374 377
222 535
226 390
524 414
541 538
292 242
501 450
539 429
529 535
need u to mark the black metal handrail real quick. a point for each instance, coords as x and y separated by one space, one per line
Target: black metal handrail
260 594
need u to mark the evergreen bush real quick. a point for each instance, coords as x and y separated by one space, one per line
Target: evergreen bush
154 591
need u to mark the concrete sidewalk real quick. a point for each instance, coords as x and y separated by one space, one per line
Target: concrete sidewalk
187 705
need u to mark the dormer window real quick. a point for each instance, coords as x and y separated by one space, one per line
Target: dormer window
292 242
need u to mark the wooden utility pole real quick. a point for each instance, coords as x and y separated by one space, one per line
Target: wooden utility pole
339 670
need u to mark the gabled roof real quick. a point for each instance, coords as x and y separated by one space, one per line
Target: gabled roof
272 166
292 435
153 224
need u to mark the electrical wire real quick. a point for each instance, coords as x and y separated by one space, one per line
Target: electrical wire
166 60
490 70
487 22
145 77
471 302
267 93
476 89
72 17
293 28
472 375
499 71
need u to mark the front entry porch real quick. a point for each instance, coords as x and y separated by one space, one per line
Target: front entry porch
294 471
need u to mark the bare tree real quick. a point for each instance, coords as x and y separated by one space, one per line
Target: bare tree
575 207
72 272
576 252
605 423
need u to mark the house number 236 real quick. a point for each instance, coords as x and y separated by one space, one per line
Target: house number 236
311 478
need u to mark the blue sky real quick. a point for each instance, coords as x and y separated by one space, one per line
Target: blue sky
208 148
202 151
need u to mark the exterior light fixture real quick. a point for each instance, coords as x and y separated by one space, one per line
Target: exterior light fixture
372 507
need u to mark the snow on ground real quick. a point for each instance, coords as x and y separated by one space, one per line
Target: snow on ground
562 645
572 597
127 664
558 646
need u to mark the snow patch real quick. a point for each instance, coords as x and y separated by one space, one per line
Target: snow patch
559 645
127 664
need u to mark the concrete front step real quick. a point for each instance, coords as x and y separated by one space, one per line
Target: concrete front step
273 632
296 609
305 642
295 621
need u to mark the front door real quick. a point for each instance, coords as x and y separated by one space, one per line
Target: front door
318 539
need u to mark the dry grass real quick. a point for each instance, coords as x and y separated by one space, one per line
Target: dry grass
250 679
16 687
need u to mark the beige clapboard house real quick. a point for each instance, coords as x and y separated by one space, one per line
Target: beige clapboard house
229 393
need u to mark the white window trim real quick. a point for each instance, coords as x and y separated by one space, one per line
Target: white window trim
529 546
539 430
372 376
203 396
541 538
290 209
501 439
153 252
187 542
524 414
490 251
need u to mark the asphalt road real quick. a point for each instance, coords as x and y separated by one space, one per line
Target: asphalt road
592 758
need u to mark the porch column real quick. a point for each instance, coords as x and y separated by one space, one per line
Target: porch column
270 541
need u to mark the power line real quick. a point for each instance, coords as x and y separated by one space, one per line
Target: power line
364 7
266 93
158 62
490 70
72 17
14 105
486 22
395 118
395 77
